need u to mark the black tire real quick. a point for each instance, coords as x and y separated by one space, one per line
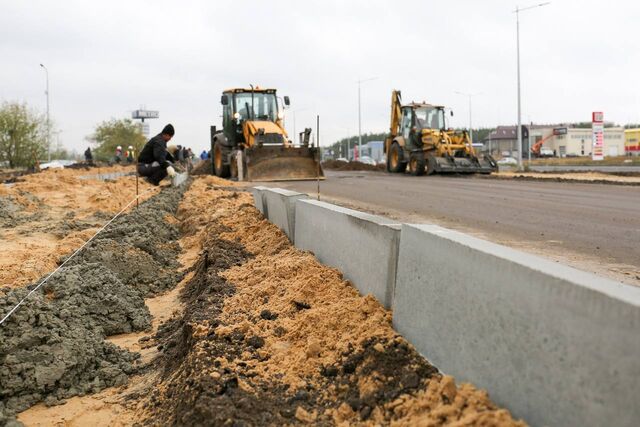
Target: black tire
417 163
395 157
431 165
217 157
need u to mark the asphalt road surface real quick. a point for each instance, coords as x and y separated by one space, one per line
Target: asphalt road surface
595 227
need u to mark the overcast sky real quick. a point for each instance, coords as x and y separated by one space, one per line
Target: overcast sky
107 58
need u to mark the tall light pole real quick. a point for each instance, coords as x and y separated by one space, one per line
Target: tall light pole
48 122
360 116
519 129
469 95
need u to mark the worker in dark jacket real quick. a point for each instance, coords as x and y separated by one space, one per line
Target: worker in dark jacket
154 161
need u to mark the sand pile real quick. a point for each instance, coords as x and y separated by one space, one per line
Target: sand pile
54 346
47 215
270 336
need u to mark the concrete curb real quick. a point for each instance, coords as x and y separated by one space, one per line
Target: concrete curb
337 235
280 206
555 345
258 199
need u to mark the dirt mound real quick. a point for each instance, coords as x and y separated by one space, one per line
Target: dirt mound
49 214
571 177
271 336
54 347
351 166
202 168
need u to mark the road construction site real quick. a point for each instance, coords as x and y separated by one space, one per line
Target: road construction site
192 309
221 302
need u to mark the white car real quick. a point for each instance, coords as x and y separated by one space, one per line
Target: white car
367 160
508 161
342 159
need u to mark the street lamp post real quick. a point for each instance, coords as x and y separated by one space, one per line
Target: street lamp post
48 122
360 116
469 95
519 129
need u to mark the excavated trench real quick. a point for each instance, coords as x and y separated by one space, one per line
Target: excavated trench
266 334
53 347
269 336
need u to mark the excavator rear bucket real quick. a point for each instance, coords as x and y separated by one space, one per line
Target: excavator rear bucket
280 163
449 164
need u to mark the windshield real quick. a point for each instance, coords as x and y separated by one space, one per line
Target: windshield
430 118
264 106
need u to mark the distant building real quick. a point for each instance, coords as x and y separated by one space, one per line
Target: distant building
504 139
374 149
632 142
563 140
578 142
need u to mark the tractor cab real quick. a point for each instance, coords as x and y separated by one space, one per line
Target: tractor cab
242 106
417 118
253 143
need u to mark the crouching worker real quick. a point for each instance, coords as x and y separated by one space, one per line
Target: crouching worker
154 161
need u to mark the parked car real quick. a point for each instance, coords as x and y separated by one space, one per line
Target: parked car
367 160
508 161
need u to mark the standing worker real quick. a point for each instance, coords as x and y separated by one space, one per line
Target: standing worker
154 161
88 157
129 154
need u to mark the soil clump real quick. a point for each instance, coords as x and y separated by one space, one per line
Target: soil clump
53 347
49 214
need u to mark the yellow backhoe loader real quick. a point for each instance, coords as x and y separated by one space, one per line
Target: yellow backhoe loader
419 139
253 145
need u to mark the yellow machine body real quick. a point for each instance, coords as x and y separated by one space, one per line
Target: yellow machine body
253 144
418 139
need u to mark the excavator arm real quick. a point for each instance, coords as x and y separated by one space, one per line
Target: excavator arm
396 112
535 148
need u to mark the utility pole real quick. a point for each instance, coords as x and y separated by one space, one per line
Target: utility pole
48 121
519 129
360 116
469 95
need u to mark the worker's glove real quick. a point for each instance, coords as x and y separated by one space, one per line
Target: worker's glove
171 171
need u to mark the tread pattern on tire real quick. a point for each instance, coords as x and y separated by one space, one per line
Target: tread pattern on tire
224 171
402 166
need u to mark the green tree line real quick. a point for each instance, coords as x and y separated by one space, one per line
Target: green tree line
112 133
22 135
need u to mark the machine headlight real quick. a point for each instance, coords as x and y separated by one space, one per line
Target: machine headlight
236 115
280 115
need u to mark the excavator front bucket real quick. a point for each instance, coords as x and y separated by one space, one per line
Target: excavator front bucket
449 164
280 163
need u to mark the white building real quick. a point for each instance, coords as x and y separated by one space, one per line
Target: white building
574 142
